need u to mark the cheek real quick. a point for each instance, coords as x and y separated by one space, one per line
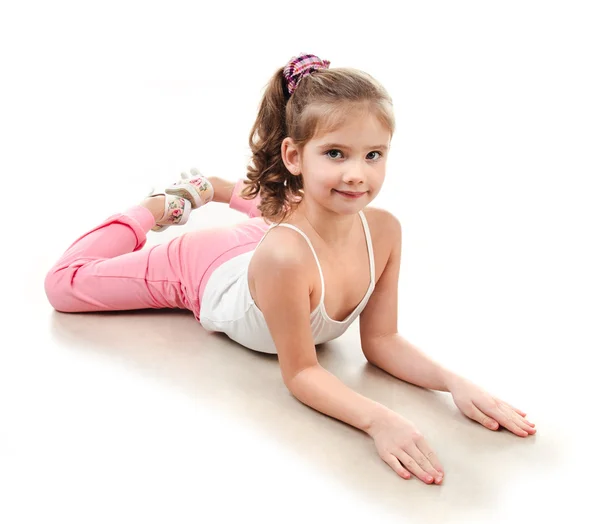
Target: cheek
321 172
380 171
317 165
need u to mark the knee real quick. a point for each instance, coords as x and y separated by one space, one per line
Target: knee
57 286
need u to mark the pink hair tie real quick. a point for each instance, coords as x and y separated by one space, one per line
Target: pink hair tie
299 67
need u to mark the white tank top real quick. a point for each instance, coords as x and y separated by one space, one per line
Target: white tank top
227 305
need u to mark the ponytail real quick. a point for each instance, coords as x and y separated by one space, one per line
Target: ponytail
267 173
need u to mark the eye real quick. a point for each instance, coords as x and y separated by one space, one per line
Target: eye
376 153
333 151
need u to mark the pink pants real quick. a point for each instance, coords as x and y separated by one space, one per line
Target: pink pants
107 270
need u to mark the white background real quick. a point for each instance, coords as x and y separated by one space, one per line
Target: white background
493 173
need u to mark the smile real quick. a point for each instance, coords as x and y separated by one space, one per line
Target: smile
350 195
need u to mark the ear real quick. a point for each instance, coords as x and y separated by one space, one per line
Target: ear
290 154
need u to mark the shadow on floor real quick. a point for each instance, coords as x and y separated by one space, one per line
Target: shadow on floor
170 345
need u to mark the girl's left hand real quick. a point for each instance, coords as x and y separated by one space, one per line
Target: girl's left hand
489 411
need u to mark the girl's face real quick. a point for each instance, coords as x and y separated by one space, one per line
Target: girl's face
343 170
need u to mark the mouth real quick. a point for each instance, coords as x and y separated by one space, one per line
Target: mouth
351 194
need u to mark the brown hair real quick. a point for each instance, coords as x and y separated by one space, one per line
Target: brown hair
320 102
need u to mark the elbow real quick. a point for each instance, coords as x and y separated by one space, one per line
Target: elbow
379 349
371 360
369 355
296 381
377 359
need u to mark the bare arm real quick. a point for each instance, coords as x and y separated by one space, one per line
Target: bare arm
401 359
318 388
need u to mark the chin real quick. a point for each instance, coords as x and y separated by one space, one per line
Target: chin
351 208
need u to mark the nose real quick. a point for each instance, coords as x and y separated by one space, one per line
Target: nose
355 173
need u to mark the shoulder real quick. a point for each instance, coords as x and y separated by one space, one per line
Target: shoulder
282 247
384 226
380 217
283 257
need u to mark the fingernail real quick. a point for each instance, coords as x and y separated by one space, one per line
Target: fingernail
429 479
439 479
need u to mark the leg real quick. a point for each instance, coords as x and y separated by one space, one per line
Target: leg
107 270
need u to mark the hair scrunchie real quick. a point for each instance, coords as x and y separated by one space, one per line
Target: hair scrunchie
299 67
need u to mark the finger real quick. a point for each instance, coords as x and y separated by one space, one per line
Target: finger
424 447
516 429
478 416
517 420
424 463
501 415
525 425
411 464
514 409
518 411
394 463
520 418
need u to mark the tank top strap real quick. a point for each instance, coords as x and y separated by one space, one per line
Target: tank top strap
315 255
369 248
271 226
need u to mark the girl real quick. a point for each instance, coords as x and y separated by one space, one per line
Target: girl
312 257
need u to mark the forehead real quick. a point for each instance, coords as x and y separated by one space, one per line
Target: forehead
355 129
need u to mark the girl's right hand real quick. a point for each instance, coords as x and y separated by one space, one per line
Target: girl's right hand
401 445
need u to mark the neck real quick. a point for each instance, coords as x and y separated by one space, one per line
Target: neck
332 228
